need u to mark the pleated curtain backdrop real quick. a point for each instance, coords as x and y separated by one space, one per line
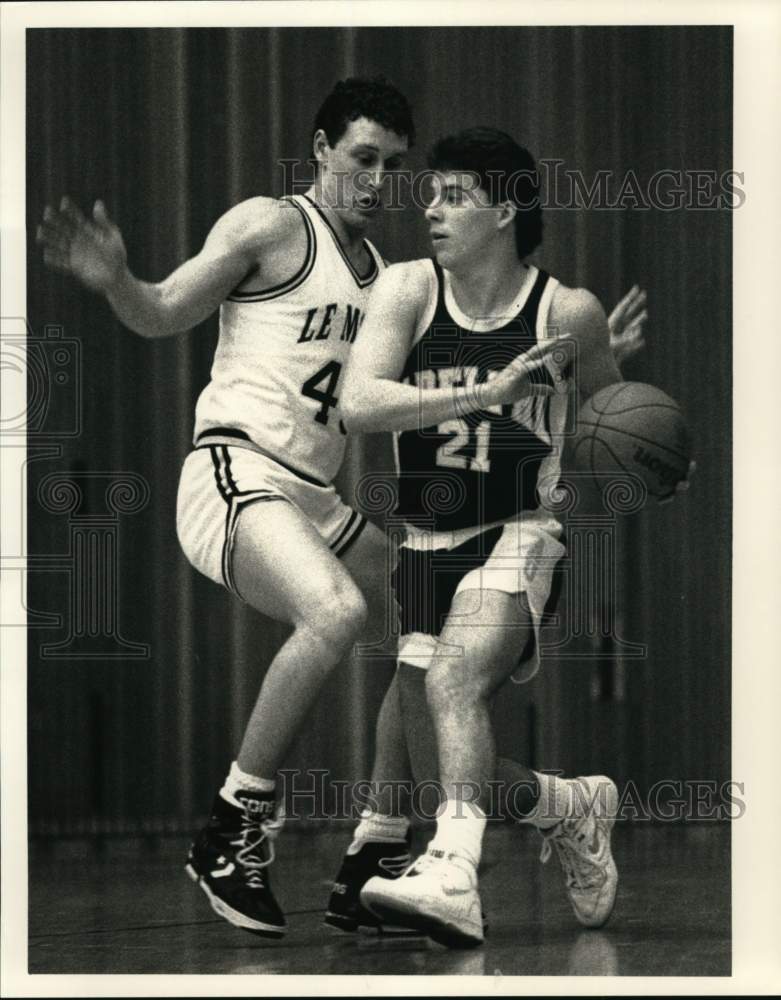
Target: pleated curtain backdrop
132 731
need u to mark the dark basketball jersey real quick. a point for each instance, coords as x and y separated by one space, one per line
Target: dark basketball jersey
485 467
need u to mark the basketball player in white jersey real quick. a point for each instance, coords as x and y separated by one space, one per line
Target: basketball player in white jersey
476 571
257 511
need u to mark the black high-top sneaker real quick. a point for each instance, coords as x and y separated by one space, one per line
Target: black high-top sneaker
229 860
363 860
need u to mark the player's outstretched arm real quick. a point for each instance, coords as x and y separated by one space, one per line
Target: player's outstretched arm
578 316
92 251
626 324
373 398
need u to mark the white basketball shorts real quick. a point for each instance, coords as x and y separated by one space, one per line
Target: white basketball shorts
519 556
219 480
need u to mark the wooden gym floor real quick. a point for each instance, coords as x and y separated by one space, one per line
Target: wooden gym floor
126 906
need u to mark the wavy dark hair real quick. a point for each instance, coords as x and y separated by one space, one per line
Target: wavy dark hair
506 172
358 97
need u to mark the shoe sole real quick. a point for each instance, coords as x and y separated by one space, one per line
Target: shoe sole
438 930
222 909
347 925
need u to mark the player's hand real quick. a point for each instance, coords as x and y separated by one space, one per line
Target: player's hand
681 487
517 379
92 250
626 324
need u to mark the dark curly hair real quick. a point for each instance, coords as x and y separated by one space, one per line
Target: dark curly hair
358 97
506 172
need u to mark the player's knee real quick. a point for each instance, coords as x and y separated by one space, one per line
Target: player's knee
381 624
340 618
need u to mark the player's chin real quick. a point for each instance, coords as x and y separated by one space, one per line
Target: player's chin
362 215
443 253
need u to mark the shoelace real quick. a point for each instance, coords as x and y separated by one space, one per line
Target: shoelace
254 834
580 869
420 864
429 858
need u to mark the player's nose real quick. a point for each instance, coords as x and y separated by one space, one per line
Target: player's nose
379 178
376 178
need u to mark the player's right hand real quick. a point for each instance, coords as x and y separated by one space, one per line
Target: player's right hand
682 486
626 324
92 250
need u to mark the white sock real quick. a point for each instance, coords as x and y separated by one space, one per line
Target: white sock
376 826
239 781
460 829
558 800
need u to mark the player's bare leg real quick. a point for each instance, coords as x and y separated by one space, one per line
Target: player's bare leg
439 895
484 630
381 840
283 569
405 752
370 563
515 792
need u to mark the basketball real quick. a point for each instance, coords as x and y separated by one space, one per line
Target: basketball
636 428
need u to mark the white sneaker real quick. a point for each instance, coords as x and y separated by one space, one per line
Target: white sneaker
583 846
437 895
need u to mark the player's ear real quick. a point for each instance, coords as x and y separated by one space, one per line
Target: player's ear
507 212
320 146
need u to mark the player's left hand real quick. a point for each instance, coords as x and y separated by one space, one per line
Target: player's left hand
681 487
516 380
626 324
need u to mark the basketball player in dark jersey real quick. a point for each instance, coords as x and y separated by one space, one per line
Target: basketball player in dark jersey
361 129
380 844
476 464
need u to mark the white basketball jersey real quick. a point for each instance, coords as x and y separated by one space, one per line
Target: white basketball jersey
277 372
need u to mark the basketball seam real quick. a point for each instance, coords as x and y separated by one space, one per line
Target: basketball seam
599 420
619 389
639 437
670 405
621 465
641 406
593 436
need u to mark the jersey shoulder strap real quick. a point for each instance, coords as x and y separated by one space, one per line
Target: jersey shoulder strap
295 280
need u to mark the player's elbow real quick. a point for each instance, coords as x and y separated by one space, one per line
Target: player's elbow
155 328
149 315
169 314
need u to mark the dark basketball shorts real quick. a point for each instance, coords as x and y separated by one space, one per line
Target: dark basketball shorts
521 556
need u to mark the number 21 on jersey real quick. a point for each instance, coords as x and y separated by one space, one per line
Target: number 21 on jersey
451 453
